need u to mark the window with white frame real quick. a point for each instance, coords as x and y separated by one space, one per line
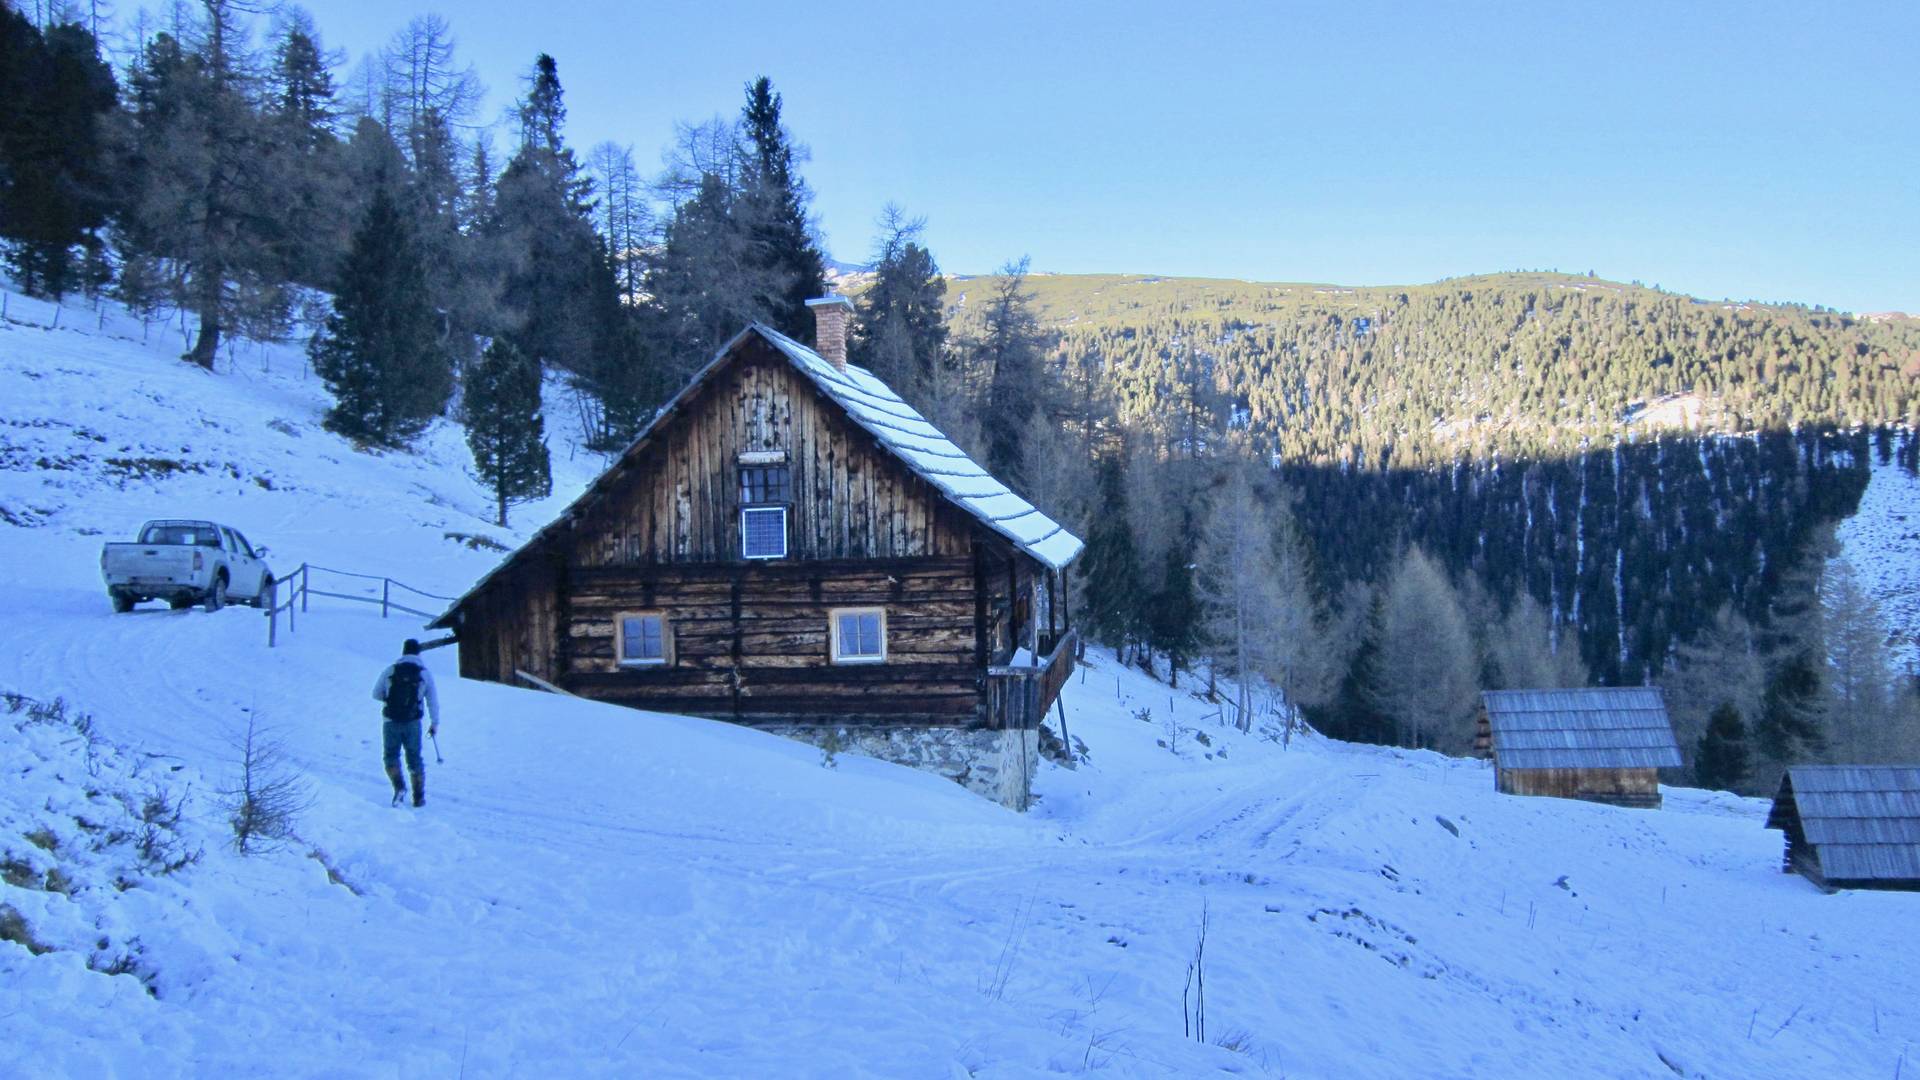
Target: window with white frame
859 635
641 638
765 495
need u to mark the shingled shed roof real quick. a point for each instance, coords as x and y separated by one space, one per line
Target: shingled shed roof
1600 728
1862 820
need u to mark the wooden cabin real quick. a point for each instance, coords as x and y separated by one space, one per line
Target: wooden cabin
1851 826
1603 744
791 546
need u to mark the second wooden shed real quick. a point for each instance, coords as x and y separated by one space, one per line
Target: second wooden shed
1602 744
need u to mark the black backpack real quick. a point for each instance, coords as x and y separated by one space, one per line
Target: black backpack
403 693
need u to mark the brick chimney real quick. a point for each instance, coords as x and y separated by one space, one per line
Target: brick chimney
832 318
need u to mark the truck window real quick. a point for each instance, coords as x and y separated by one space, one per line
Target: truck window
241 542
186 535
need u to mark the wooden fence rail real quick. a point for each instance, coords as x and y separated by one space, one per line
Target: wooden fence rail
297 587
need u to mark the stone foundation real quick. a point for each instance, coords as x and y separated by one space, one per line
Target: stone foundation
996 764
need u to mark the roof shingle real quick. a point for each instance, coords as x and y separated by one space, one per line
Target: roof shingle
1594 728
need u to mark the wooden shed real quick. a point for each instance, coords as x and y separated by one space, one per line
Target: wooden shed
1602 744
1851 826
790 545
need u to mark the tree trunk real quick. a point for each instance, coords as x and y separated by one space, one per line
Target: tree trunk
501 494
207 345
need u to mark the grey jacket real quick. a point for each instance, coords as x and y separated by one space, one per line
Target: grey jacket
429 697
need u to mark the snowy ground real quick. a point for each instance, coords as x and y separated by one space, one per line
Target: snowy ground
601 892
1882 540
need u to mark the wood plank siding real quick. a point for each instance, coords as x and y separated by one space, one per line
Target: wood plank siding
750 640
680 501
1619 787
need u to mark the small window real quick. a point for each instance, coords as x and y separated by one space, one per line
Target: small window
766 492
641 638
763 532
764 485
859 635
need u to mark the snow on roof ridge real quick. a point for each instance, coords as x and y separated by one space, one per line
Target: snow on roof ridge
841 385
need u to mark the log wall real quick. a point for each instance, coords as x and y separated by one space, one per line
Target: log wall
752 641
1621 787
514 624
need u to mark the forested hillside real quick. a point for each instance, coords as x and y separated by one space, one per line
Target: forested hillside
1519 363
1507 480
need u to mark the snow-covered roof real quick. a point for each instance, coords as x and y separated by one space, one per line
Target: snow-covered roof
931 455
1596 728
897 425
1862 820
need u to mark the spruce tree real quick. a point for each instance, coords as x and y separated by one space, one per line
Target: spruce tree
505 429
55 189
901 332
317 207
1174 621
1009 352
1722 760
541 225
1111 569
379 352
705 285
774 212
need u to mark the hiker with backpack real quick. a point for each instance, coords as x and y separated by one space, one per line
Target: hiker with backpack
407 689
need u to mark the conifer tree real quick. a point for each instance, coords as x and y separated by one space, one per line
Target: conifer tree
300 110
201 179
773 210
55 188
379 352
1008 352
1110 570
705 285
505 429
901 333
1173 623
1722 762
547 244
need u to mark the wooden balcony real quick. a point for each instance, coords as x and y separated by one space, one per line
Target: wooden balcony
1018 697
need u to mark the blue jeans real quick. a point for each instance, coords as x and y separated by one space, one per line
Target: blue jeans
398 734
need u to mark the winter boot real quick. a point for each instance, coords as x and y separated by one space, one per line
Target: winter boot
419 789
399 783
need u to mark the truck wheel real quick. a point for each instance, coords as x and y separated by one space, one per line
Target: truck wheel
122 603
217 596
265 594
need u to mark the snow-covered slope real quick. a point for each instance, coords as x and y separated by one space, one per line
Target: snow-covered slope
1882 540
592 891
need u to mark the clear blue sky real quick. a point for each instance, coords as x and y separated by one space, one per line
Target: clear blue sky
1759 149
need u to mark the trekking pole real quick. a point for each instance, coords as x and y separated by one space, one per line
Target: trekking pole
437 759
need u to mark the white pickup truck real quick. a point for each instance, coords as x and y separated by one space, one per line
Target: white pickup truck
184 563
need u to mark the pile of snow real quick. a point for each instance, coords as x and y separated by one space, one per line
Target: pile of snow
600 891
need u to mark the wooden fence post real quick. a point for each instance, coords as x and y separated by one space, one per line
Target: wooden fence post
306 583
273 613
